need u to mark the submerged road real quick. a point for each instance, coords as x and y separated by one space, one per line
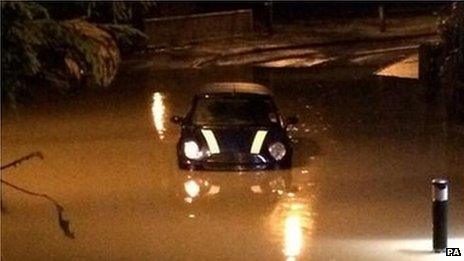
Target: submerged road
366 149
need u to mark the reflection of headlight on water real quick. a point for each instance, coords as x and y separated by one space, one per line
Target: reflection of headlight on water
293 236
158 111
277 186
192 188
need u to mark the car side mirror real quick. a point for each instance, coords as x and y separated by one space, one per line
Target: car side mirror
292 120
177 119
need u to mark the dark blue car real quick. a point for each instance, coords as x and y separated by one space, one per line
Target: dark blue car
234 126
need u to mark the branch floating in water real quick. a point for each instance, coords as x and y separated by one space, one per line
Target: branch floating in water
62 222
36 154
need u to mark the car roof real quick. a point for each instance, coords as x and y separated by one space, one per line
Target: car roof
234 88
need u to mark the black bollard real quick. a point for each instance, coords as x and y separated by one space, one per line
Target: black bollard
440 214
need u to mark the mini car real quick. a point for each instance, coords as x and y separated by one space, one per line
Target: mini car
234 126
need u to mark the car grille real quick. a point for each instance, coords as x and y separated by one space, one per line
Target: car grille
236 158
234 161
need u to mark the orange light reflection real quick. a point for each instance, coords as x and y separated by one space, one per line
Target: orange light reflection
158 111
292 222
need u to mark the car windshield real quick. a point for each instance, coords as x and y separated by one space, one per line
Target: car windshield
234 111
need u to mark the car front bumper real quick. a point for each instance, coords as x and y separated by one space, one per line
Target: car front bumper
236 161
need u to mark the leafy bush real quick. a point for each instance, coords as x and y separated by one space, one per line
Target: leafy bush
127 38
40 53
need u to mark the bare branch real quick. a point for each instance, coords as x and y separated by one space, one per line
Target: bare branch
63 223
36 154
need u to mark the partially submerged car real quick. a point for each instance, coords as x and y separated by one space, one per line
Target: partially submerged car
234 126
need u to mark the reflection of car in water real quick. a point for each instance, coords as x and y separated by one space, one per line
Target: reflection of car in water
233 126
204 184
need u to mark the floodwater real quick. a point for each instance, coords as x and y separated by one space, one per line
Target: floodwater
366 149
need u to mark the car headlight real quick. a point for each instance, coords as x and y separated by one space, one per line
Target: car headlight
192 151
277 150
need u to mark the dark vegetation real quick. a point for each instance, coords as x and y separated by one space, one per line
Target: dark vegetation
452 61
60 46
